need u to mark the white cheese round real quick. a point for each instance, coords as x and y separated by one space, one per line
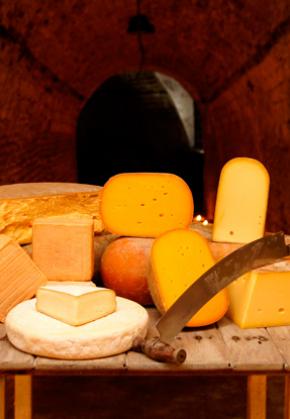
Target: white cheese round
39 334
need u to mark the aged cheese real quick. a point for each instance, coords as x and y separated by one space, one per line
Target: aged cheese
179 258
75 303
146 204
242 199
19 276
63 247
36 333
261 297
21 203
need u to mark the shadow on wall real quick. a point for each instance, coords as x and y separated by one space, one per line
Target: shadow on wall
130 124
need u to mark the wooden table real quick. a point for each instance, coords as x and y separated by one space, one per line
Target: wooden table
220 349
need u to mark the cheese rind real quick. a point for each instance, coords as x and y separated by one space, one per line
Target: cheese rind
63 247
21 203
36 333
261 297
242 199
146 204
178 259
19 275
75 303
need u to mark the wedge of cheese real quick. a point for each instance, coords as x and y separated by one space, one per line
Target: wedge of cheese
63 247
242 199
146 204
21 203
75 303
261 297
178 259
19 275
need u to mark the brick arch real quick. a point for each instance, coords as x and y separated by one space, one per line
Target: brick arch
233 57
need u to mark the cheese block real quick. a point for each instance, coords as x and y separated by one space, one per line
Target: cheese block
19 275
38 334
63 247
179 258
242 199
21 203
261 297
146 204
75 303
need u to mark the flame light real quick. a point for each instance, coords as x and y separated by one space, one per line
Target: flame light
200 219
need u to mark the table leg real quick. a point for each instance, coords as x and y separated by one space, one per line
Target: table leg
2 397
287 397
256 397
22 397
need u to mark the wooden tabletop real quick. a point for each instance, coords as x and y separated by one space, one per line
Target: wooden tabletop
222 347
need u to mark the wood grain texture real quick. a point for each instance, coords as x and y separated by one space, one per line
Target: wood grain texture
2 397
281 339
22 397
256 397
250 349
287 397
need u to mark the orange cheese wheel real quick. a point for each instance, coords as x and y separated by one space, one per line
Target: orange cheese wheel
178 258
146 204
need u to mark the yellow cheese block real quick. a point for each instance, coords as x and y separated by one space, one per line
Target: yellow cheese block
19 276
21 203
146 204
261 297
242 199
178 259
75 303
63 247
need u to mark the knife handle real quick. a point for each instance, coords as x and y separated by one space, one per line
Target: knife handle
160 351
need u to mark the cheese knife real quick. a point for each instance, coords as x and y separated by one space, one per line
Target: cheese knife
253 255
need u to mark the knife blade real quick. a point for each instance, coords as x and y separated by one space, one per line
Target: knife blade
253 255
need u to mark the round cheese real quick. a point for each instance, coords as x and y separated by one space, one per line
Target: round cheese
39 334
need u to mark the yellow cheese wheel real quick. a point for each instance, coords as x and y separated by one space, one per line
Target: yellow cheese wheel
242 199
178 259
146 204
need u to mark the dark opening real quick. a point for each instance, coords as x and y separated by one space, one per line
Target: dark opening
131 124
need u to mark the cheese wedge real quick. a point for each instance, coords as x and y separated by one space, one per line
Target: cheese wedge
146 204
19 275
63 248
21 203
242 199
75 303
261 297
179 258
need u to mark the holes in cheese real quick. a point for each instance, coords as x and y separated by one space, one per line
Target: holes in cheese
179 258
261 297
75 303
242 199
19 275
62 247
145 204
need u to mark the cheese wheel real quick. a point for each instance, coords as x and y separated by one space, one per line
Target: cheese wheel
39 334
21 203
260 298
179 258
242 200
146 204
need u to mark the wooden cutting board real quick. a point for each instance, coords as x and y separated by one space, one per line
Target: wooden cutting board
38 334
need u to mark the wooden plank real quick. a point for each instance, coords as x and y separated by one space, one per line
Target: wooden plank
10 357
2 397
287 397
281 339
205 351
116 363
250 349
256 396
23 397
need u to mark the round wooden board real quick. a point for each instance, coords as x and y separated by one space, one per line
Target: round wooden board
38 334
